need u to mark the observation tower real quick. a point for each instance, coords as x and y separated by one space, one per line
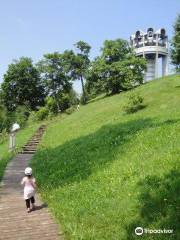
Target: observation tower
152 45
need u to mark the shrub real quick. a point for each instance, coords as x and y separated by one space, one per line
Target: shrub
32 118
22 114
42 113
134 103
7 118
70 110
51 105
1 120
19 115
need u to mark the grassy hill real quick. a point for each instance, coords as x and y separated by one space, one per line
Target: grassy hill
104 173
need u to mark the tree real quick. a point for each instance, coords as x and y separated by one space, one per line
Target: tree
1 99
56 80
66 99
115 50
22 84
77 64
175 43
73 98
117 68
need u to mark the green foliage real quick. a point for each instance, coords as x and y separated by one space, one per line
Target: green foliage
70 110
32 118
65 98
22 84
76 65
19 115
93 89
134 102
175 43
99 167
89 96
22 114
1 121
117 68
51 105
7 119
1 99
52 72
115 50
42 113
73 97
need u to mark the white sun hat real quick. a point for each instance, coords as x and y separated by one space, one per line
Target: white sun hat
28 171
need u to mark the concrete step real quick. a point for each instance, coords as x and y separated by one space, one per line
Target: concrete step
29 149
30 146
28 152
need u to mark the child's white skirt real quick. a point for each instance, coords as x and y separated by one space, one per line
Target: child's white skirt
28 192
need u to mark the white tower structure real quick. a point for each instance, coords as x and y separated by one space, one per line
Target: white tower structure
152 45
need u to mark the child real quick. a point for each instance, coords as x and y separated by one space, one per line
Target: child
29 184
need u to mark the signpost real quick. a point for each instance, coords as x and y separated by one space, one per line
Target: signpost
15 128
12 142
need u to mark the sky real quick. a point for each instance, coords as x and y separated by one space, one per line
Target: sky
36 27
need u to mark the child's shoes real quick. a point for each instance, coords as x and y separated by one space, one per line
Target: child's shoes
33 207
28 210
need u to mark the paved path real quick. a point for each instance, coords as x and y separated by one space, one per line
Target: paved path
15 223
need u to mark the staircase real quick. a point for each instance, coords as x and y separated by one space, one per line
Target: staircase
31 145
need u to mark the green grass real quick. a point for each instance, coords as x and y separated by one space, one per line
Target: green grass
104 173
20 139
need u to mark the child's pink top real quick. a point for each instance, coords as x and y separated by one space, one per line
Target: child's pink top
28 188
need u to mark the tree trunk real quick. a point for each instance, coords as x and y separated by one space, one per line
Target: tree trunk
55 95
84 97
58 107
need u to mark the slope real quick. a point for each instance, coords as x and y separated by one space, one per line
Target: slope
104 173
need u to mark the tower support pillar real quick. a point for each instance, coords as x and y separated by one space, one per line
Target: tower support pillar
165 65
156 58
150 74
